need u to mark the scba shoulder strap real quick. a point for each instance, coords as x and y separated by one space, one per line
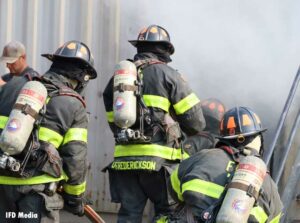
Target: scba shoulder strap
69 92
61 90
140 64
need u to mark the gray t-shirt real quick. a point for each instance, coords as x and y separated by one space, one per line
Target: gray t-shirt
27 71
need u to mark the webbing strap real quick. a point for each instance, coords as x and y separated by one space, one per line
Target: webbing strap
125 87
250 189
26 109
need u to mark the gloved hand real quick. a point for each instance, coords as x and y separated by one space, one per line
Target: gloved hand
73 204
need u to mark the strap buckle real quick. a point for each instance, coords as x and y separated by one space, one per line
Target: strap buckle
26 109
251 191
121 87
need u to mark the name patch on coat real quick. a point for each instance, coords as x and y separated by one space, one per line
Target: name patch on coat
133 165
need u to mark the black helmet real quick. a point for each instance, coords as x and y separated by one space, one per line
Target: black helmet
213 111
75 51
240 122
154 34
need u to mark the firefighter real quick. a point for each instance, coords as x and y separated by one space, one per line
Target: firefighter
14 57
60 159
213 111
141 166
198 183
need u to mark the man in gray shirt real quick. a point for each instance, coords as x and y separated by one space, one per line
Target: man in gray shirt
14 56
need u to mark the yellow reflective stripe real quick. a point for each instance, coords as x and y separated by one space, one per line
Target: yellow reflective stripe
48 135
157 102
3 121
176 184
47 100
185 155
45 178
185 104
75 189
148 150
162 219
75 134
204 187
110 116
276 219
259 214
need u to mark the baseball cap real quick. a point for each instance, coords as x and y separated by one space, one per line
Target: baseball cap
12 51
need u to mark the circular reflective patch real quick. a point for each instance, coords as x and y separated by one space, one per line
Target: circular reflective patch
119 103
239 205
13 125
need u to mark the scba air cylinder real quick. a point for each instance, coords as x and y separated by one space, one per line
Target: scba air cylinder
239 199
124 107
21 120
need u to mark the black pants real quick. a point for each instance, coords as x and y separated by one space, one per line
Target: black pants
24 204
133 188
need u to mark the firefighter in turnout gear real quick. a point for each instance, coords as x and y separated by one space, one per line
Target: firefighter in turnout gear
165 106
57 150
213 111
201 182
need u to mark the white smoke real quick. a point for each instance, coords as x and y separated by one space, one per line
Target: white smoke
242 52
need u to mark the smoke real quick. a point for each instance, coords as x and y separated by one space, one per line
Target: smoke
243 53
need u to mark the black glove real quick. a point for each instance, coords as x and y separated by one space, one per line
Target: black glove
73 204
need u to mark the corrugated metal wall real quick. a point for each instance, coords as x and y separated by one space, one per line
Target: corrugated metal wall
228 42
46 24
43 25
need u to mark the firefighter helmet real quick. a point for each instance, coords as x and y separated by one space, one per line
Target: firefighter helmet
154 34
240 122
78 52
213 111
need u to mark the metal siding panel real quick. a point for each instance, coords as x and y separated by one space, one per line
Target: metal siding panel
43 26
49 31
6 8
30 30
101 140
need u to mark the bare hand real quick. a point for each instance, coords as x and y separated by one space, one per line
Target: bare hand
2 82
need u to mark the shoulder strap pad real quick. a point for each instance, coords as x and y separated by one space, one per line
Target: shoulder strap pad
140 64
60 89
32 75
63 90
207 135
231 153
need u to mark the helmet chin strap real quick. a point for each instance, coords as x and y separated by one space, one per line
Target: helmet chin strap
74 83
79 85
255 144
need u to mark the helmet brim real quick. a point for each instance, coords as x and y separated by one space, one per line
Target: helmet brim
245 135
170 45
53 57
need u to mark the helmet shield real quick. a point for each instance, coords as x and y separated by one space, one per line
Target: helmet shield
213 111
154 34
240 122
77 52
